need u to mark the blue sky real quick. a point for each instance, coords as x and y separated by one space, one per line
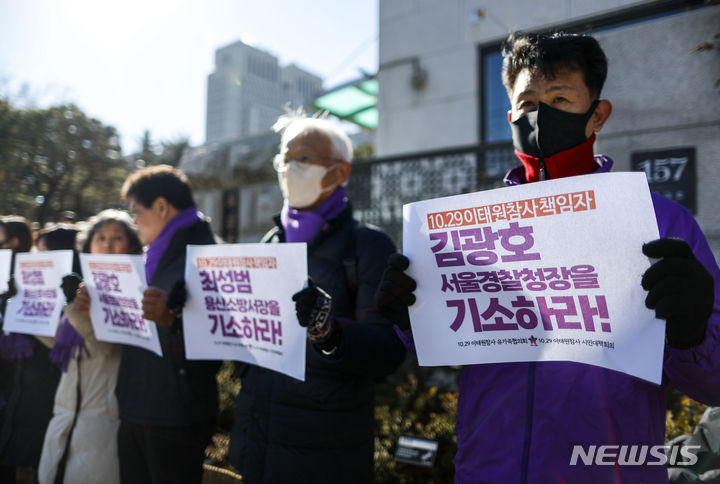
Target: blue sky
143 64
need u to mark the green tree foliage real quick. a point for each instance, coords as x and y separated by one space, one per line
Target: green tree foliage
682 414
163 153
417 408
712 44
172 150
411 403
57 159
364 152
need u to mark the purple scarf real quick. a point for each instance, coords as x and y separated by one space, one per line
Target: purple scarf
15 346
301 226
68 345
185 219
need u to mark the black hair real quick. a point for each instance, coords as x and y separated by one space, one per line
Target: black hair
58 236
61 237
147 184
17 226
546 54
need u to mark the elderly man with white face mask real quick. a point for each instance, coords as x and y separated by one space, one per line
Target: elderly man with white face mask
320 430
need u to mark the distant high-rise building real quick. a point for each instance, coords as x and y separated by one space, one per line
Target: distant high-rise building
248 90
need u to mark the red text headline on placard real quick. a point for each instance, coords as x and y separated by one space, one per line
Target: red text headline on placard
110 266
245 262
520 209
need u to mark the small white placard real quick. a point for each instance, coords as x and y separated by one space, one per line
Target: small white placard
239 305
39 301
116 283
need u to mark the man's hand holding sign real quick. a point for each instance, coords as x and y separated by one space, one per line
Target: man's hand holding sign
395 292
154 307
564 356
314 311
680 290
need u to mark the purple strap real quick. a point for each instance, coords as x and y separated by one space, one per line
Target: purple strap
301 226
68 345
185 219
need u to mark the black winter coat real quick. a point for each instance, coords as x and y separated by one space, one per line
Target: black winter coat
27 393
321 430
29 406
169 390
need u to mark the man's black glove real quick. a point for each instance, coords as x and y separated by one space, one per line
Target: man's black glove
395 292
314 307
70 284
176 298
680 290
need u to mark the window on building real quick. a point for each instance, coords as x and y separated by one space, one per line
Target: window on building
495 103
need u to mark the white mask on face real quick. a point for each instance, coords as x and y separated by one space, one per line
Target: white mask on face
301 183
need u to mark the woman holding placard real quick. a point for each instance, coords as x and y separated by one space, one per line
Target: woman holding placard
27 379
81 439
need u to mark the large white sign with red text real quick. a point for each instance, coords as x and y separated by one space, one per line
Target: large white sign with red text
239 305
39 301
116 283
546 271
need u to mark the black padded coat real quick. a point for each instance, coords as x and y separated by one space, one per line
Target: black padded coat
321 430
169 390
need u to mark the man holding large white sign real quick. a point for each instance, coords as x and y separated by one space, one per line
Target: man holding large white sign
242 294
539 421
168 403
319 430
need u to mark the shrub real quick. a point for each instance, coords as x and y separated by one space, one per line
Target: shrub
683 414
418 402
415 408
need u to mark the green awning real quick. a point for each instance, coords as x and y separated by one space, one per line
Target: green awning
355 101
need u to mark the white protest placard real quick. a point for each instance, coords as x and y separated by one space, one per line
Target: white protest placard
5 261
239 305
39 301
546 271
116 283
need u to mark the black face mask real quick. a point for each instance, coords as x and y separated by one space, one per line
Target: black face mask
548 131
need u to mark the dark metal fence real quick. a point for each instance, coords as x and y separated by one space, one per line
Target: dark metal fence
378 188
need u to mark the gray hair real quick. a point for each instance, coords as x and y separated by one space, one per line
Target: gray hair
295 123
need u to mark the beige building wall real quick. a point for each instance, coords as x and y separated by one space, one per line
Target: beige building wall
663 95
